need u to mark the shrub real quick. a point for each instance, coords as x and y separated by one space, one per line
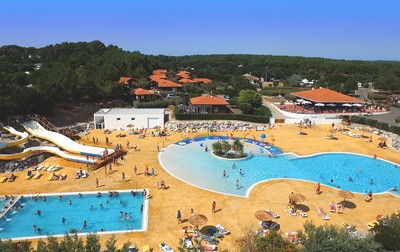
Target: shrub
246 107
210 117
263 111
153 104
397 119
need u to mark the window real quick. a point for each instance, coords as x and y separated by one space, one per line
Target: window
118 119
215 109
132 119
142 97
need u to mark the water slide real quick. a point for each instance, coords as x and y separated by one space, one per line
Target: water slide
35 129
37 149
23 135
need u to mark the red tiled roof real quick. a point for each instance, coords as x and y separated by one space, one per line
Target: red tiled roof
141 91
168 84
208 100
250 77
186 81
203 80
325 95
157 77
124 80
183 74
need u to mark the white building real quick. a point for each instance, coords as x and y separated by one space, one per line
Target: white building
120 118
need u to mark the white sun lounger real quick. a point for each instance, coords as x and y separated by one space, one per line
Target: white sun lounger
222 230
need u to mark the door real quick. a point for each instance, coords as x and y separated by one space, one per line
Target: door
152 122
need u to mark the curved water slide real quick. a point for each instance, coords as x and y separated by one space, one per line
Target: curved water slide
35 129
23 135
40 149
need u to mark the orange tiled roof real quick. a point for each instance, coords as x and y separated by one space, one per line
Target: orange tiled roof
124 80
186 81
160 71
202 80
157 77
183 74
208 100
168 84
325 95
141 91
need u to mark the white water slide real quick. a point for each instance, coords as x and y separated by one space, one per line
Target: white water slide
23 138
35 129
38 149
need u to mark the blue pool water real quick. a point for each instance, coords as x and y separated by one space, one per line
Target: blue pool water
193 165
17 224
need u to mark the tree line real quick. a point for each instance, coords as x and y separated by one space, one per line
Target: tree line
34 80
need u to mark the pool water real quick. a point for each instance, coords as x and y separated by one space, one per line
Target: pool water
19 223
193 165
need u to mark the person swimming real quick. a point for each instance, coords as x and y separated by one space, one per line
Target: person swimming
241 172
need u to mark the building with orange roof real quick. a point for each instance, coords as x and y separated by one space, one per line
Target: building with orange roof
323 95
165 85
202 80
209 104
128 81
160 72
186 81
183 74
144 95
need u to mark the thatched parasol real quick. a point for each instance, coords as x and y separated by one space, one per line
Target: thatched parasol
296 197
345 122
365 129
197 219
263 215
130 126
345 194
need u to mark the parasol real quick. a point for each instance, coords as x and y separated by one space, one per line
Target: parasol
130 126
345 194
296 197
263 136
197 219
319 104
263 215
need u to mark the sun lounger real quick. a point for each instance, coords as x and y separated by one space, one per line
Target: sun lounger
209 247
372 224
37 176
268 224
187 243
302 214
40 167
209 239
50 177
50 168
322 213
3 179
291 210
222 230
164 247
275 215
146 248
29 175
332 207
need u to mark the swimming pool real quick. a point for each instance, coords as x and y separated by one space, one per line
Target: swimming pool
193 165
19 223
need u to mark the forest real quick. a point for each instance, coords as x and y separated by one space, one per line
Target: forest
35 80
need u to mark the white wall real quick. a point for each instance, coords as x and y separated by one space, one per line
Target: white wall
140 120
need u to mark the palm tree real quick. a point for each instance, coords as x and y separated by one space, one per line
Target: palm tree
238 146
226 147
217 147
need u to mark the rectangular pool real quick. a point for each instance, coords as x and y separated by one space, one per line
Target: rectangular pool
103 214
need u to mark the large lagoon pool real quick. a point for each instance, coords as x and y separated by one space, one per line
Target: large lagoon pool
192 164
18 223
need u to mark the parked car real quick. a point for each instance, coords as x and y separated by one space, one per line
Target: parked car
171 96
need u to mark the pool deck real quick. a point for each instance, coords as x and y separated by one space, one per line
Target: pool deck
234 213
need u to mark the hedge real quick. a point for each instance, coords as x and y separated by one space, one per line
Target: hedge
153 104
210 117
375 124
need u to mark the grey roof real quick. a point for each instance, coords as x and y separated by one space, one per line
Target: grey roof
121 111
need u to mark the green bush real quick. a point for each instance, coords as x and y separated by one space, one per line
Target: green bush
263 111
210 117
375 96
246 108
397 119
375 123
153 104
395 129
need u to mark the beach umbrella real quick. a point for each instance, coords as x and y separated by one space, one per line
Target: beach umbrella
197 219
263 136
331 105
262 215
319 104
296 197
345 122
365 129
346 105
307 102
300 100
345 194
357 105
382 138
130 126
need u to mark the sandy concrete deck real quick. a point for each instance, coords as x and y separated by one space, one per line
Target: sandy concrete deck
234 213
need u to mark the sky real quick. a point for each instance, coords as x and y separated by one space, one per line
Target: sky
338 29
